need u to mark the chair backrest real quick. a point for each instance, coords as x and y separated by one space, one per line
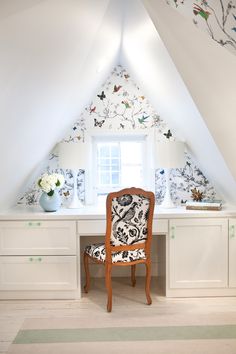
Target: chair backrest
129 217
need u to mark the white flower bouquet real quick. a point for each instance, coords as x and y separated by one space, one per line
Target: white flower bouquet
49 182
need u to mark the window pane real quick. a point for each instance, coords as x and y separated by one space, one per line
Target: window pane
115 168
115 162
105 178
104 162
105 168
115 150
115 178
104 151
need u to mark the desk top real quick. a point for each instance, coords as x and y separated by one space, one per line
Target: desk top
96 212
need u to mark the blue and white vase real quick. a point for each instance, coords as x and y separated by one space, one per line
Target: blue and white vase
50 203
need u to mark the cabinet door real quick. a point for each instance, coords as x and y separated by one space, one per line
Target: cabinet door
232 253
198 253
38 273
38 237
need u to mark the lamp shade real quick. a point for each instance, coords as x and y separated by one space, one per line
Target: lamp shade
73 156
169 154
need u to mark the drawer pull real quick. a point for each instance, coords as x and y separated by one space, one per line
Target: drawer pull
172 232
30 223
35 259
232 231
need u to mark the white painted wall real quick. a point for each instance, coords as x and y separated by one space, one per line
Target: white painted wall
54 54
148 60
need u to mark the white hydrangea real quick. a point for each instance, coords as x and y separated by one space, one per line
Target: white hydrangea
49 182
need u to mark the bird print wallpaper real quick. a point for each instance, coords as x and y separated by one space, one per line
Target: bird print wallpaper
217 18
120 106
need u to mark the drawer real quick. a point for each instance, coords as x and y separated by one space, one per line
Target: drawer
160 226
91 227
38 238
98 227
38 273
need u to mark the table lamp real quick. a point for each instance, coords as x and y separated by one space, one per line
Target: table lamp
169 154
73 156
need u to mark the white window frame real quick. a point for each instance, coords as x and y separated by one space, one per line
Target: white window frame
148 166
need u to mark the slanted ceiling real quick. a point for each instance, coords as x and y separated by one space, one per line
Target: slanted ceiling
56 53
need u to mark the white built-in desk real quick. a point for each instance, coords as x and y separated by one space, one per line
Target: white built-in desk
40 252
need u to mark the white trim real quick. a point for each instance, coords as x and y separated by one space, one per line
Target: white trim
147 135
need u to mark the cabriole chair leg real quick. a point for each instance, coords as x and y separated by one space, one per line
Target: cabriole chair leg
148 281
133 279
109 287
87 274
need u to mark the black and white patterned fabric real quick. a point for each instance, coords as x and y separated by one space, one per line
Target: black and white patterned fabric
129 219
98 251
129 226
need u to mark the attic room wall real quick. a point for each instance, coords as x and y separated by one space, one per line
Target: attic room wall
208 71
217 19
120 106
161 79
54 55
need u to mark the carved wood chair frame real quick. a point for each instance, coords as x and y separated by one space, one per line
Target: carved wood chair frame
146 245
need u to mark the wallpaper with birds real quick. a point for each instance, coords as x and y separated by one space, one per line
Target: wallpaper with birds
120 106
216 17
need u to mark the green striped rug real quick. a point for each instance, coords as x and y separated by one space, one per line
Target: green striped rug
124 334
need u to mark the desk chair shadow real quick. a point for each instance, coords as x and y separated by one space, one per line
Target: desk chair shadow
129 216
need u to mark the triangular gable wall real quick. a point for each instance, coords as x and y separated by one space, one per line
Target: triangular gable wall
120 107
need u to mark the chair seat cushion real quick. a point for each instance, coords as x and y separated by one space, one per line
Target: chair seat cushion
98 251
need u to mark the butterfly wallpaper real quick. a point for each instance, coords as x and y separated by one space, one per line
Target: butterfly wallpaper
119 106
217 18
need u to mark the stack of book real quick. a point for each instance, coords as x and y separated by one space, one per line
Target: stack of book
205 205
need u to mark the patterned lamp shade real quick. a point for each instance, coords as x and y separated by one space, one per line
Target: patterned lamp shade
169 154
74 156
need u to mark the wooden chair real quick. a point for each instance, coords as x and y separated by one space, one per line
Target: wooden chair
129 215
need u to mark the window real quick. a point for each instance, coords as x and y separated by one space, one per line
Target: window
119 163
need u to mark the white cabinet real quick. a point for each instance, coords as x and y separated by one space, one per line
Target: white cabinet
40 259
38 273
232 253
198 253
37 257
38 237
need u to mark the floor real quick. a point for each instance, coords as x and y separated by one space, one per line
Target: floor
128 303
